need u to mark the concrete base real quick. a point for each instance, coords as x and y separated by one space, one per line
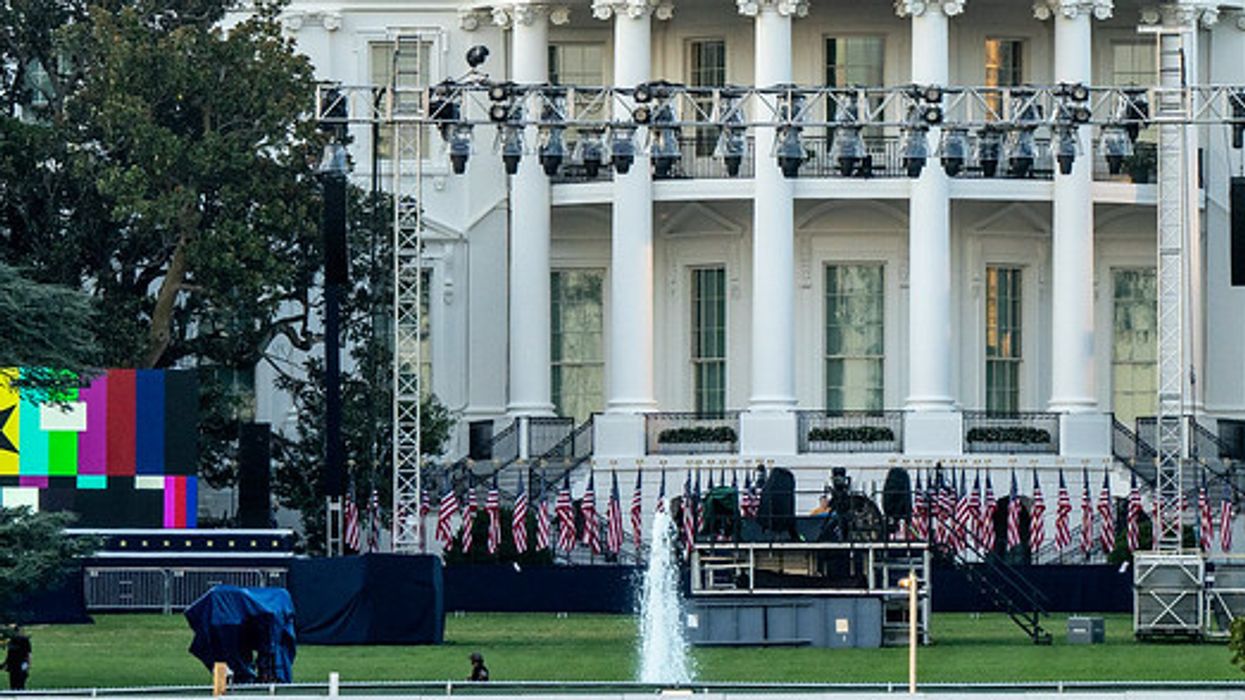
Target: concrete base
1085 435
767 433
618 435
933 433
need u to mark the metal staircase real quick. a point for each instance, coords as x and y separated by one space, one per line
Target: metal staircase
1003 584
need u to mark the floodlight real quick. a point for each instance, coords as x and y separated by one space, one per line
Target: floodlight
848 149
1134 111
511 147
915 150
1021 152
1066 147
590 151
954 150
1237 98
460 146
476 55
789 151
1116 146
665 149
989 149
622 148
552 132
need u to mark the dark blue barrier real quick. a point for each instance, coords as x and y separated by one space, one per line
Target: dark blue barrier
370 599
61 604
1067 587
578 589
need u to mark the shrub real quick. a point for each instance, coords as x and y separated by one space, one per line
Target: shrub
856 433
1021 434
698 434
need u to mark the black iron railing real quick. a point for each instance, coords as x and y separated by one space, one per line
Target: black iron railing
850 431
1011 433
691 433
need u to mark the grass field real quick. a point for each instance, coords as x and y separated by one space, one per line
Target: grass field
124 650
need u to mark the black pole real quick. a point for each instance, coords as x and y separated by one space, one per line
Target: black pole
335 275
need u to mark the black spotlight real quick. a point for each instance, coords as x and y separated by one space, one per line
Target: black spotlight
642 115
622 149
511 147
989 150
477 55
1237 97
954 151
790 151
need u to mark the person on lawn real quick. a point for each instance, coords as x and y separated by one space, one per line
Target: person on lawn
17 661
479 672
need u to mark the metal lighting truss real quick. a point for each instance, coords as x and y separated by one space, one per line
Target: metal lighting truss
456 108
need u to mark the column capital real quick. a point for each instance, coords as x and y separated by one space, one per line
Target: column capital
635 9
295 20
916 8
469 20
527 13
1072 9
786 8
1205 14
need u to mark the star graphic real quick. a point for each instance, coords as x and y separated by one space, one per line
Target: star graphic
6 444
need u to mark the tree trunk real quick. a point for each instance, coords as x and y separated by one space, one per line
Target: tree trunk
161 332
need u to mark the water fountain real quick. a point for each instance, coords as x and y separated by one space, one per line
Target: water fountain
663 647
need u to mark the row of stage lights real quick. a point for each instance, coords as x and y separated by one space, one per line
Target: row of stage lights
1013 144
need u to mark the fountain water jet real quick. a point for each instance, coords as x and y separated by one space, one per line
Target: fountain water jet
663 647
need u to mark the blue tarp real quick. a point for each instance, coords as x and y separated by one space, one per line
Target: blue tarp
251 629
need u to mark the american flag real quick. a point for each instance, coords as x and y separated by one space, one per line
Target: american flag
1063 533
1207 526
373 518
542 526
445 519
1225 524
1087 518
350 514
492 506
588 509
699 502
941 503
1037 517
920 514
518 519
974 509
1106 536
566 517
637 512
749 505
1134 516
1013 516
469 520
614 519
963 514
661 495
689 517
989 507
425 503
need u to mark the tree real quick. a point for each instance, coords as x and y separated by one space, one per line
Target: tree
47 330
35 554
165 166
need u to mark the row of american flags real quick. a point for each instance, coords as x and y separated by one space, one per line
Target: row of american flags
947 511
352 523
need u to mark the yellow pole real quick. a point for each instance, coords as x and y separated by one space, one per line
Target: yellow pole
912 586
218 679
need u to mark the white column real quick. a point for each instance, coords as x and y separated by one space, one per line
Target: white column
773 230
630 369
530 392
1072 246
929 231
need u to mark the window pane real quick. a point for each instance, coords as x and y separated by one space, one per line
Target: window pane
854 337
411 73
577 345
1133 63
706 68
709 339
1003 339
1134 344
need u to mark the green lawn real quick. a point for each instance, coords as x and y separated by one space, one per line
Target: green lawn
121 650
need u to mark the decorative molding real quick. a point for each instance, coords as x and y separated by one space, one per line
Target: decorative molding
916 8
635 9
295 20
560 15
469 20
1072 9
786 8
1185 14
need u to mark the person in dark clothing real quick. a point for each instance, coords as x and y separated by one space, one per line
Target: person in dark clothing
479 672
17 661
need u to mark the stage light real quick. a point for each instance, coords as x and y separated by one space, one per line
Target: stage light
848 149
789 151
989 149
1116 145
642 115
732 135
552 132
1134 112
477 55
954 150
622 148
499 92
665 149
1237 99
590 151
460 146
1066 148
511 147
1021 152
932 93
915 150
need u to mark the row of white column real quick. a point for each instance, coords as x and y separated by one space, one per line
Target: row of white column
630 376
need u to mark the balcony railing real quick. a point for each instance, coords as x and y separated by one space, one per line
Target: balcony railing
1011 433
692 433
850 431
885 161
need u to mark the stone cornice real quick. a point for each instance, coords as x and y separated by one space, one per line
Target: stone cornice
916 8
1071 9
1184 14
786 8
295 20
635 9
526 13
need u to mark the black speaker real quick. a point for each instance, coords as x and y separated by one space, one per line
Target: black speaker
480 439
897 494
336 267
1236 201
777 512
254 476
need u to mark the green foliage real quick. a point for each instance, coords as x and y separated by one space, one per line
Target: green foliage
854 433
698 434
1236 641
45 326
35 554
1018 434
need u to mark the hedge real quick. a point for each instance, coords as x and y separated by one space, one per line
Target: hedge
858 433
698 434
1023 435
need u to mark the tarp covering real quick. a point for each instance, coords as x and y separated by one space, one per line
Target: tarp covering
572 589
369 599
1066 587
251 629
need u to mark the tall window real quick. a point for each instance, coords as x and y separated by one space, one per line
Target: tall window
855 61
1133 63
854 352
578 369
706 67
412 72
577 64
709 339
1004 68
1003 339
1134 347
